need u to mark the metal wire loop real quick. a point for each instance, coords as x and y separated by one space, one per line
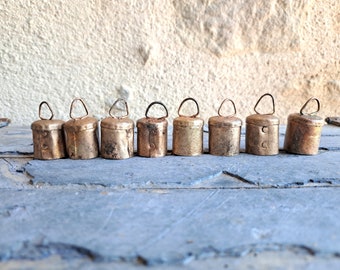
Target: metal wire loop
71 108
49 107
219 109
305 105
267 94
159 103
114 105
185 100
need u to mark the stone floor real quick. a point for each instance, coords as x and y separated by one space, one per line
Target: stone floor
241 212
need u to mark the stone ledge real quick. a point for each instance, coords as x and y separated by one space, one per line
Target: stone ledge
205 171
170 226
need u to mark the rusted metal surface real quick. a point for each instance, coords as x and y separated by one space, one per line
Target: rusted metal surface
262 132
333 121
224 133
117 135
4 122
48 137
81 135
152 134
188 133
304 131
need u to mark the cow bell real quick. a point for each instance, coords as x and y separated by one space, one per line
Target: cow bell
152 134
81 135
304 131
262 132
187 133
48 137
117 134
224 133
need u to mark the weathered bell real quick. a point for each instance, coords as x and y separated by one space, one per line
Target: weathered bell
224 133
152 134
48 137
262 132
304 131
81 135
188 133
117 134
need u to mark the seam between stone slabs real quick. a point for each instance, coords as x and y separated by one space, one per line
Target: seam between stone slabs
319 183
42 186
68 251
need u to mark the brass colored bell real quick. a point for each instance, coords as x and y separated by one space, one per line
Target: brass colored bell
48 137
81 135
188 133
304 131
152 134
224 133
117 135
262 132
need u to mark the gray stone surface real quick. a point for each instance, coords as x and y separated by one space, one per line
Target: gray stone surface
16 140
283 170
241 212
167 226
280 260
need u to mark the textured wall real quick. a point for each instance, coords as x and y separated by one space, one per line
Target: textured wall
146 50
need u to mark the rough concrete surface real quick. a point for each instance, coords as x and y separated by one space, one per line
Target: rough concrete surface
241 212
150 50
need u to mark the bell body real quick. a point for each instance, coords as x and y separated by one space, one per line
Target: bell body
303 134
81 138
187 136
224 135
117 138
48 139
262 134
152 137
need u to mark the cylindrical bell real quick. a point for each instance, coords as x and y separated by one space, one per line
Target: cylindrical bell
117 135
262 132
152 134
224 133
304 131
188 133
48 137
81 135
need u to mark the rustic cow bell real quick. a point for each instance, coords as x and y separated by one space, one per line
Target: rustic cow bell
224 133
81 135
188 133
152 134
117 134
48 137
304 131
262 132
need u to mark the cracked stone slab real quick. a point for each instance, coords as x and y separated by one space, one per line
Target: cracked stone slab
12 173
168 226
244 170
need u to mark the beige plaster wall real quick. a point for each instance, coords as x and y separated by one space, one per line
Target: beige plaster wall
167 50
